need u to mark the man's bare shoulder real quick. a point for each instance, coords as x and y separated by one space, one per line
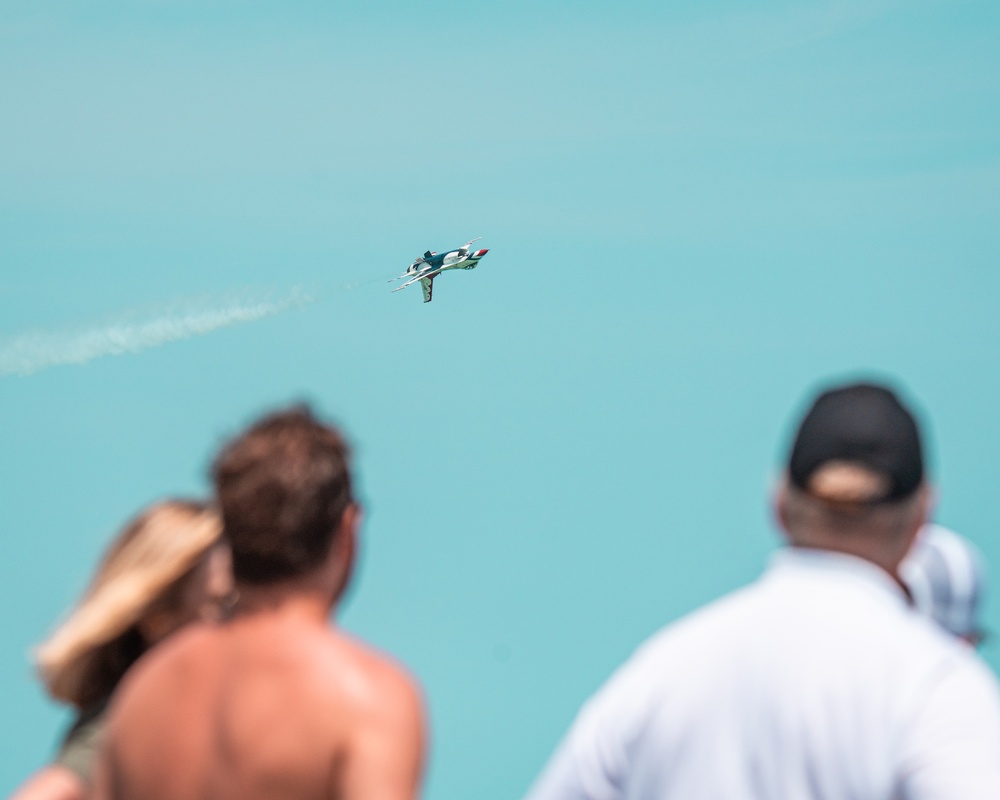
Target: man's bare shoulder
322 659
170 662
363 676
284 695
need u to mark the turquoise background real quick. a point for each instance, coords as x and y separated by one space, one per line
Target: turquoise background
696 214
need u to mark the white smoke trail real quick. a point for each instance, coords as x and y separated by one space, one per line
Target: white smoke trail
133 331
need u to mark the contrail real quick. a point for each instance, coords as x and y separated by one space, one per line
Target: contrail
132 331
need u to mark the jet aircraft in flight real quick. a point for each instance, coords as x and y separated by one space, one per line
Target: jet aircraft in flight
428 266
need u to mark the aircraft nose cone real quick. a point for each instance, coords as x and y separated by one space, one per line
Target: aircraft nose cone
482 252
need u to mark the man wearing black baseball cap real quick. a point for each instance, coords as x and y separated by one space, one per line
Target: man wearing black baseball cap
855 479
819 681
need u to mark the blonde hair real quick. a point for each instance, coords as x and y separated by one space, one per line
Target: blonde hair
86 656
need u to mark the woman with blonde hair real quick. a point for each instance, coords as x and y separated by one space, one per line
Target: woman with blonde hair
167 568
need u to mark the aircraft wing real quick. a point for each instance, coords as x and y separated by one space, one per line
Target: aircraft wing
427 284
415 278
411 280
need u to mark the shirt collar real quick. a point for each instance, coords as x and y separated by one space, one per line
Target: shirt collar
838 566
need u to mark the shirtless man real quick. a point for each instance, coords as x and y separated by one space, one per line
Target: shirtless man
275 703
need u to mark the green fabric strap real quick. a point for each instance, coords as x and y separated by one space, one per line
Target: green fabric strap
81 746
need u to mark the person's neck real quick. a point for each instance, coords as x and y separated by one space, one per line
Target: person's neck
888 561
291 599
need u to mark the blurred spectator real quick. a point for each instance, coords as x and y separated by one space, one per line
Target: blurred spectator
946 578
167 568
276 701
817 682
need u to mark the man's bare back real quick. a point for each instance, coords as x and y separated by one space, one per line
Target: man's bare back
271 705
274 703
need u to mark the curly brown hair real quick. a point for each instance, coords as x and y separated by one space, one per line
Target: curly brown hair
282 486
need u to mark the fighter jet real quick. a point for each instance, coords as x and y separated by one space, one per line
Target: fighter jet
428 266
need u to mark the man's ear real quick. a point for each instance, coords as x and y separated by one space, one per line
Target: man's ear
930 501
779 504
347 530
346 547
922 512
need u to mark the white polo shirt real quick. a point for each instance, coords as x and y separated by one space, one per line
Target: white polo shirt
817 682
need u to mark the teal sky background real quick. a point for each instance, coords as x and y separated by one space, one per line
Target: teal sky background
696 214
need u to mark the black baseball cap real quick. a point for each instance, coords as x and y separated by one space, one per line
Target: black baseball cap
864 424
